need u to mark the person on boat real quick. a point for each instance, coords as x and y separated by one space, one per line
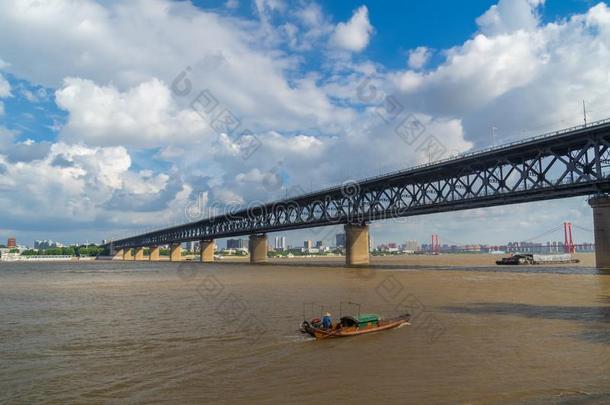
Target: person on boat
327 321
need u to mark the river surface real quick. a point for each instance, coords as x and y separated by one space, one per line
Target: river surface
115 332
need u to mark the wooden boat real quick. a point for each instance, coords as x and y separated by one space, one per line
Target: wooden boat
353 326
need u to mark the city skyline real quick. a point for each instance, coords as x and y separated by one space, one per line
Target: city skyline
414 245
337 238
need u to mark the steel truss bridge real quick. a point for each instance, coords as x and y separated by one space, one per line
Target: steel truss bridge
567 163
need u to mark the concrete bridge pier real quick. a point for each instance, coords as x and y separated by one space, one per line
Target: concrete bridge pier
601 229
127 255
153 254
206 254
118 255
139 253
356 245
257 245
175 252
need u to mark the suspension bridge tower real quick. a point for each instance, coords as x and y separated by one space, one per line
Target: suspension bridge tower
568 244
601 229
435 247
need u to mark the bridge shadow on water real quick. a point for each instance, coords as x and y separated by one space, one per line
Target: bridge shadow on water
595 319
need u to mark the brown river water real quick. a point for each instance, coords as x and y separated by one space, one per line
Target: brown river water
115 332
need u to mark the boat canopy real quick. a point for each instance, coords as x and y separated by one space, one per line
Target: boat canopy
367 318
360 320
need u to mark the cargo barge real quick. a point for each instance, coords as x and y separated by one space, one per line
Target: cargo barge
526 258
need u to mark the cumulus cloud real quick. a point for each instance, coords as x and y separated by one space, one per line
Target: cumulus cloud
478 71
355 34
540 75
74 185
232 58
509 16
418 57
144 115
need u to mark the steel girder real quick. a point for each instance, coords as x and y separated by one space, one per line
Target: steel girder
567 164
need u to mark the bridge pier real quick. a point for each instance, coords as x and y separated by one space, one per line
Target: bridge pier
153 254
356 245
139 253
257 245
206 254
175 252
601 230
127 255
117 255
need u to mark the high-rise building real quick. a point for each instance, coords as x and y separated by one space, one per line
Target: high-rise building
340 240
280 243
412 245
235 244
319 244
191 246
11 243
308 244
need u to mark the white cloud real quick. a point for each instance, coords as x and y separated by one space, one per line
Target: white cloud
232 57
5 90
509 16
354 35
265 10
171 152
418 57
74 186
259 178
145 115
265 6
5 87
232 4
311 15
480 70
522 82
314 27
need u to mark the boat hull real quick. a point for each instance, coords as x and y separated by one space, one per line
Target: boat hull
337 331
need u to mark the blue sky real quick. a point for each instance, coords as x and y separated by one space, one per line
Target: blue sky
96 143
